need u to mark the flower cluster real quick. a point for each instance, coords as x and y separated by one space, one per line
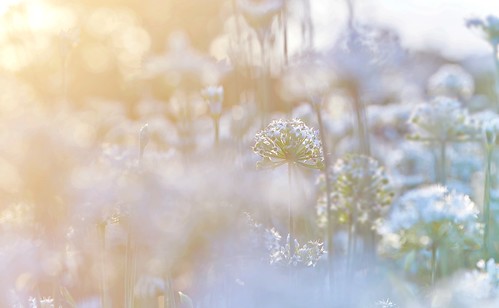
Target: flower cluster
360 191
428 215
260 13
442 120
289 141
489 26
214 96
452 81
280 253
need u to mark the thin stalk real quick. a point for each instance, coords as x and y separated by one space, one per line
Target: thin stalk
486 201
170 300
128 272
495 48
216 124
433 263
361 123
442 173
290 211
263 78
329 231
102 235
285 32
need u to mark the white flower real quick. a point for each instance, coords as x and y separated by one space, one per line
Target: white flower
214 96
289 141
441 120
453 81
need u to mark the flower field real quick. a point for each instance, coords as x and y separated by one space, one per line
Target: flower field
248 153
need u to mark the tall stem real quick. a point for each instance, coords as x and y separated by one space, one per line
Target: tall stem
285 32
495 49
290 211
486 202
216 123
329 231
433 263
102 236
442 176
361 121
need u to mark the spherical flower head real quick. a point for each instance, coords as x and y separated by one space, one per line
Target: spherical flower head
289 141
360 190
432 214
214 96
489 27
490 129
443 119
452 81
259 13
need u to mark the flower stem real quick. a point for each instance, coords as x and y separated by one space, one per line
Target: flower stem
495 48
442 176
290 212
102 234
486 202
216 123
361 121
433 263
329 231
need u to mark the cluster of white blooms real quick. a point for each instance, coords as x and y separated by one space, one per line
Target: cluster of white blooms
359 191
476 288
289 141
214 96
259 13
489 26
452 81
442 120
280 253
431 214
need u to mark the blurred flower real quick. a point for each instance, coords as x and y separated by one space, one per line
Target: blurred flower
432 214
307 78
259 13
442 120
489 27
289 141
280 253
452 81
490 130
214 96
359 188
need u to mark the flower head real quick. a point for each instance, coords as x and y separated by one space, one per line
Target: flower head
289 141
214 96
259 13
442 120
359 188
489 27
432 214
452 81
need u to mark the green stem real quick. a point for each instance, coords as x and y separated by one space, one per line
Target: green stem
361 121
496 62
442 173
433 263
329 231
102 235
216 123
290 211
486 202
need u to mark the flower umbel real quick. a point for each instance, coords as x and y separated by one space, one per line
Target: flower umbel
289 141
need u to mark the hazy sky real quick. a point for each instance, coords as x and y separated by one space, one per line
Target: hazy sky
433 23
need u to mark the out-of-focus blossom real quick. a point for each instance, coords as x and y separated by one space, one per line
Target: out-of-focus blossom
214 96
289 141
307 78
280 253
490 130
182 65
432 215
489 27
452 81
442 120
360 192
260 13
